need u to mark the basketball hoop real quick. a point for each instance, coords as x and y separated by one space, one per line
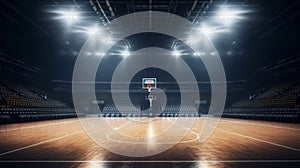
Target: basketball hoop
149 84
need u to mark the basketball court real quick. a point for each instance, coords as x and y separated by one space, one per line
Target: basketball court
149 83
233 143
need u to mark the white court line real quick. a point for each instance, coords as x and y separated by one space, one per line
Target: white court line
150 161
117 128
240 122
39 143
43 142
160 143
190 130
260 140
120 141
29 127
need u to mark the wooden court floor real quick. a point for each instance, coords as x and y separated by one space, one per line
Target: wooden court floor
234 143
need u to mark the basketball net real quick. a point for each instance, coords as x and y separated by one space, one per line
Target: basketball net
149 87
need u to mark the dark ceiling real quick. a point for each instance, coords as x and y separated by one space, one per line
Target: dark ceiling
266 42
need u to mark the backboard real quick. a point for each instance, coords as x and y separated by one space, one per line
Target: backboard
149 83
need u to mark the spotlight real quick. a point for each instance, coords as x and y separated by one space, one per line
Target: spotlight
228 16
176 53
205 30
125 53
212 31
99 54
92 30
197 54
212 53
67 15
70 16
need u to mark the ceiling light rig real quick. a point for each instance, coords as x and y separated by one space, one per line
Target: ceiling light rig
99 54
228 16
125 53
68 16
71 16
176 53
205 30
223 21
211 31
199 54
225 17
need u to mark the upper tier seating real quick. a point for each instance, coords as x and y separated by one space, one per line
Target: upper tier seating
17 96
280 96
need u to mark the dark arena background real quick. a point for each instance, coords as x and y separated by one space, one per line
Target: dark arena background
56 111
